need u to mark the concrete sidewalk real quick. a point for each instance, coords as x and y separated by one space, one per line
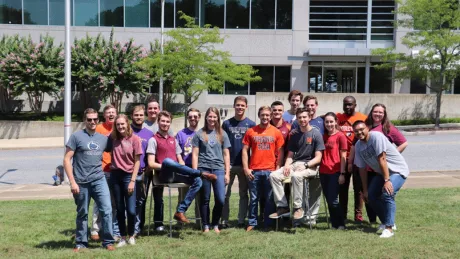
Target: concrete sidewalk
433 179
26 143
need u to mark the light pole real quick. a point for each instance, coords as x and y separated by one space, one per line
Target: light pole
67 80
160 91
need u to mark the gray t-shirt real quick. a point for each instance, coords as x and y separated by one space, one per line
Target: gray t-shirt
305 144
87 159
152 147
211 152
153 127
366 153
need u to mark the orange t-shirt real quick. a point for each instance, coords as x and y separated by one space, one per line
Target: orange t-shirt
346 125
105 130
263 142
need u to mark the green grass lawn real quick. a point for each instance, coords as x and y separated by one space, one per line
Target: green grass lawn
427 220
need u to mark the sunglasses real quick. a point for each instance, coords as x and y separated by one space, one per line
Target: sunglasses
92 119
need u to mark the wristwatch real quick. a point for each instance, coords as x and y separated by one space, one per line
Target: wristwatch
306 165
342 173
387 180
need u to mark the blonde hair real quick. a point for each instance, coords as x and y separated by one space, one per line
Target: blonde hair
138 108
129 132
217 128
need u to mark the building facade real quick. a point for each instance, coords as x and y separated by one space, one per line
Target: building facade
309 45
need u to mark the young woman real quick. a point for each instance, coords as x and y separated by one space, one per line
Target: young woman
377 120
126 152
211 154
332 169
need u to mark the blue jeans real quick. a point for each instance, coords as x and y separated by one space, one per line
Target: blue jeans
184 174
260 186
383 203
125 203
99 191
142 182
219 198
331 188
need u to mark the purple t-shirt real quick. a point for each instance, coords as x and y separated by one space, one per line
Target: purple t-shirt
144 134
394 136
184 139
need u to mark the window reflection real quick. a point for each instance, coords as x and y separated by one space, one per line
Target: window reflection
137 13
213 13
10 12
112 13
237 14
155 13
86 13
36 12
263 14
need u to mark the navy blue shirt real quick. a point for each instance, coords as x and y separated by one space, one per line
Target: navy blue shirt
235 130
316 123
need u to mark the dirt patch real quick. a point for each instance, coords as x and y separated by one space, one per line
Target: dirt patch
432 129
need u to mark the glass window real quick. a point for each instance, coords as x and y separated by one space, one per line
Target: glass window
361 80
155 13
315 79
380 80
266 84
417 86
236 89
10 12
263 14
137 13
237 14
86 13
282 79
284 14
36 12
112 13
213 13
190 8
57 12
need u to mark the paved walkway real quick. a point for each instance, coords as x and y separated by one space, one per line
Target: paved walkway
432 179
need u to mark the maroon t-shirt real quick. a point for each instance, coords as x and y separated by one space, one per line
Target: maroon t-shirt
394 136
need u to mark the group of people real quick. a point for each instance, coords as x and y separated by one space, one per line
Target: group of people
115 162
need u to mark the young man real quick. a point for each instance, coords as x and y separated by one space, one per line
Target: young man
278 121
263 141
105 129
164 156
236 127
184 138
144 134
153 108
87 179
373 149
295 98
304 155
345 121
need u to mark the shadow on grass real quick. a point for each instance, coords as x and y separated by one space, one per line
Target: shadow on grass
56 244
67 232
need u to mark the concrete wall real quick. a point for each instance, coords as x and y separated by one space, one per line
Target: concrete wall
399 106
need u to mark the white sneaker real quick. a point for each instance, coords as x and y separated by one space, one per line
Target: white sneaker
387 234
121 243
341 228
382 228
160 229
131 241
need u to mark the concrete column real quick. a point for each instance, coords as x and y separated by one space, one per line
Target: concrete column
368 74
299 76
369 24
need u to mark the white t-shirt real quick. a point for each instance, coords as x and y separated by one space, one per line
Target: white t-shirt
289 118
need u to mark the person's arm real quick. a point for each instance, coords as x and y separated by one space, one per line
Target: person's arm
180 160
244 160
363 174
132 183
388 186
152 163
227 165
343 163
195 152
351 158
403 146
69 170
316 160
288 163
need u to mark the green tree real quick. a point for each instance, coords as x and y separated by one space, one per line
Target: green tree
8 44
192 64
35 69
434 24
106 69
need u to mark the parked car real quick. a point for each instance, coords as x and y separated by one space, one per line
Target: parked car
331 87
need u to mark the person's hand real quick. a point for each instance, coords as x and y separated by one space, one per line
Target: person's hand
350 167
130 188
74 188
292 132
227 179
364 196
249 175
287 170
388 187
342 179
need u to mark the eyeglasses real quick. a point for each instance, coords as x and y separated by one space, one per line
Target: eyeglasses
359 129
92 119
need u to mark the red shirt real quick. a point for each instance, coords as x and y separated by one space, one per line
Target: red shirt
394 136
330 164
346 125
285 128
